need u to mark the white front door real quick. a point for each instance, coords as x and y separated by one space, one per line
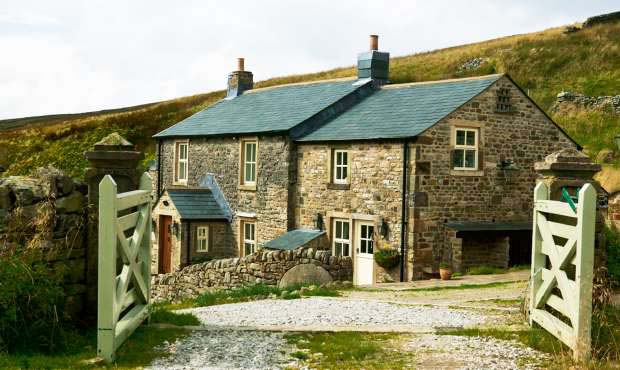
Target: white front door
364 261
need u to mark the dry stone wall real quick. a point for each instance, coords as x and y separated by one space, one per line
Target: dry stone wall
266 267
47 211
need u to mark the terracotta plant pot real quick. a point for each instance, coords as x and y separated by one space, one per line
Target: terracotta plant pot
445 273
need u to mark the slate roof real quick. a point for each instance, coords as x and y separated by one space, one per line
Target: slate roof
401 111
293 239
196 204
489 226
267 110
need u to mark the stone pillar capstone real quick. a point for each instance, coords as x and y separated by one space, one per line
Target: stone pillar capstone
114 156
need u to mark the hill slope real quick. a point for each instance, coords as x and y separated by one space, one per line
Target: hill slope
543 63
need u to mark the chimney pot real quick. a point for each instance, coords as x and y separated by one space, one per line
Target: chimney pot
374 42
240 64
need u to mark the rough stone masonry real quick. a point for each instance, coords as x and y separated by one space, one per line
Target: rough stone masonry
266 267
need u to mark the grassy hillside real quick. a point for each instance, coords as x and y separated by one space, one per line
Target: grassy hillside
543 63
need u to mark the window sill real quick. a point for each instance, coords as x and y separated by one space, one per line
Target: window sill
470 173
333 186
179 183
244 187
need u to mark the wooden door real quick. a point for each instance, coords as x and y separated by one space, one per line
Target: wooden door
165 244
364 260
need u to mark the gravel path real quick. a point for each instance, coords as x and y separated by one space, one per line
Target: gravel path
472 353
226 349
327 313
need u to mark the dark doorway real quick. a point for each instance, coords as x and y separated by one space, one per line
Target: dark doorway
520 252
165 245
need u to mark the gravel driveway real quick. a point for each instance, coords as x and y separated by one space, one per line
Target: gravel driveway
318 313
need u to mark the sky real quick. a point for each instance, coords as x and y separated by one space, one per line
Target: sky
76 56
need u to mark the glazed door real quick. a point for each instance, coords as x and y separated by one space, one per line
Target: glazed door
165 244
364 247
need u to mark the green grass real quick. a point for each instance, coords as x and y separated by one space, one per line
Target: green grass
461 287
349 350
543 63
138 351
161 314
490 270
250 293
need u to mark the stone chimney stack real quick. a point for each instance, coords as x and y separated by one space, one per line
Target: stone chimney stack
374 64
239 80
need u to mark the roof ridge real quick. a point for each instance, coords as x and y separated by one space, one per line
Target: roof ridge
341 79
447 80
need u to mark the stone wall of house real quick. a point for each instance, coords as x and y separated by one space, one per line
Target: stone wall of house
484 250
523 136
266 267
374 192
48 211
221 157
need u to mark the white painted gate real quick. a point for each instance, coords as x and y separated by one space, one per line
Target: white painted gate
562 264
124 263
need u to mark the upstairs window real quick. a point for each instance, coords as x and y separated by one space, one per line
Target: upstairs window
341 239
202 238
249 162
503 101
341 167
181 169
249 237
465 153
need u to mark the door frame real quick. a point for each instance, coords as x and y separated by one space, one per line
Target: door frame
356 234
161 245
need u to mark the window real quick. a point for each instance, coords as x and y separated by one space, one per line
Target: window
249 237
503 101
249 163
202 238
342 242
341 167
465 156
366 239
181 159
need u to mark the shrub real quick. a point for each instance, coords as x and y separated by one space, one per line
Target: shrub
31 304
613 254
387 258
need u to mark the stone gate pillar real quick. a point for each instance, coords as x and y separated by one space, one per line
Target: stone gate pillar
572 169
114 156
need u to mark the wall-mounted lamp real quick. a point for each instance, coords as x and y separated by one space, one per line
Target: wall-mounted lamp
175 229
507 165
617 141
318 222
383 228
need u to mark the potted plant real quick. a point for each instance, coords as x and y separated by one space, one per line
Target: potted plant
387 258
445 271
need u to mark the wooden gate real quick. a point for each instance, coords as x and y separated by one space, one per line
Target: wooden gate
124 263
562 264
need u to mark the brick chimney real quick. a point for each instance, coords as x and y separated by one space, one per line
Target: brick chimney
374 64
239 80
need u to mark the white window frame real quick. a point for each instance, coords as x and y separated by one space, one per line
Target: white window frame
252 163
369 239
202 239
339 239
179 160
464 147
345 166
252 237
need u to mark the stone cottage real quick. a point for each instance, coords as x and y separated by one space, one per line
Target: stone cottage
441 171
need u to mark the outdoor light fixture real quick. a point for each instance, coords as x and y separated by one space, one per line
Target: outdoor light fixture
175 229
617 141
507 165
318 222
383 228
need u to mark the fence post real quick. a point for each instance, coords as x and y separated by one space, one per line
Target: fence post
538 259
106 300
584 259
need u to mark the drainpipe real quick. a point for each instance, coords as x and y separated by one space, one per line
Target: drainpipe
158 168
188 237
403 223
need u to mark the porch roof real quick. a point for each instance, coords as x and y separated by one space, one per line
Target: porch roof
489 226
293 239
197 204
